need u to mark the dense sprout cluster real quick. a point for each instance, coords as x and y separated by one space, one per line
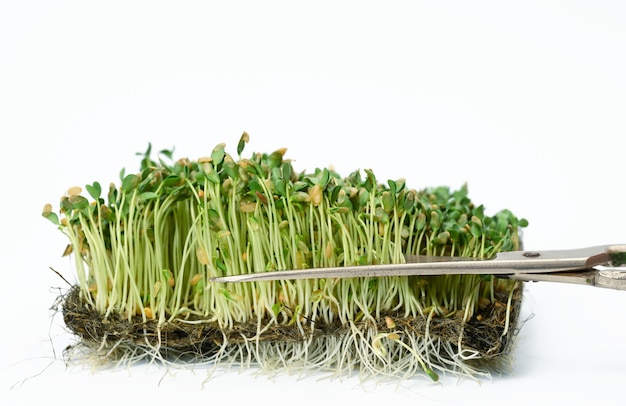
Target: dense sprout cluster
149 246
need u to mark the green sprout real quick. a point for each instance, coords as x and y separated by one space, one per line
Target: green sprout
145 251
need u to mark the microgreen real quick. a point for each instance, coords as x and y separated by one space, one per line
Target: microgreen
148 248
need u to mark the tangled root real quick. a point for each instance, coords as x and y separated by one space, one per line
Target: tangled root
394 346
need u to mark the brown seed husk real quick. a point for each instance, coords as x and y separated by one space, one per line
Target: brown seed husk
487 334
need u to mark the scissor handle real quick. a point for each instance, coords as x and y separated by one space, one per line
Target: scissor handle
611 278
605 269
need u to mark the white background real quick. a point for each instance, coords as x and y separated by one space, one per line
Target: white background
525 102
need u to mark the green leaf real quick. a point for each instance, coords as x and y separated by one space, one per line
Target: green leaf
295 315
253 168
409 202
172 180
145 162
421 221
147 196
94 190
299 186
312 180
381 215
300 197
435 220
218 154
221 265
242 142
130 182
280 203
66 206
198 288
52 217
148 151
442 238
231 169
400 184
213 177
214 218
507 246
276 309
364 197
501 227
226 293
279 185
388 201
339 210
393 187
277 180
287 171
479 212
370 181
493 235
112 195
275 159
462 220
169 153
476 229
454 233
79 202
325 178
163 164
334 194
255 186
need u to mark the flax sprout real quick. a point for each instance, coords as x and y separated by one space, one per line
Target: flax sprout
145 250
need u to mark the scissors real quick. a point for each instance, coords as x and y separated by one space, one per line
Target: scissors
600 266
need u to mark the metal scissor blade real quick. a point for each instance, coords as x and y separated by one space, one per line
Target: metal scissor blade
505 263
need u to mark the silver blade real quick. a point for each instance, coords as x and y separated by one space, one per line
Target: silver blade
505 263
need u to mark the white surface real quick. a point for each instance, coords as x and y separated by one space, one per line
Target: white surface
523 102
